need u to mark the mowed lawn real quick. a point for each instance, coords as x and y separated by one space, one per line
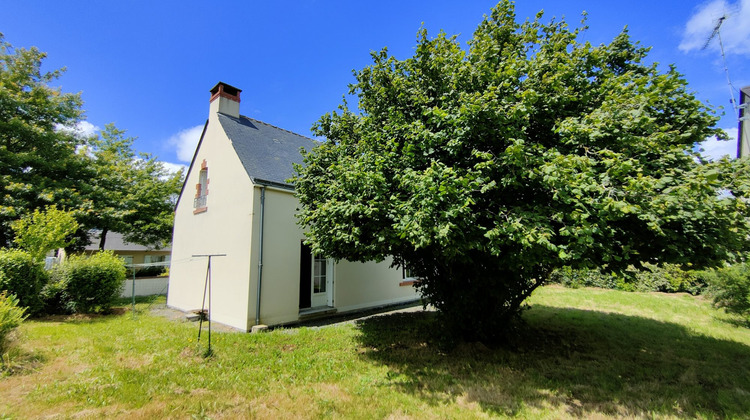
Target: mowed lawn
584 353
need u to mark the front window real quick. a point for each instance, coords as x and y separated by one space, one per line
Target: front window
319 274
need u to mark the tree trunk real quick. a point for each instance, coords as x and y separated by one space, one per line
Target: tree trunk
103 239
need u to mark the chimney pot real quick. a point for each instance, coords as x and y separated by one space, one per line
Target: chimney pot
225 98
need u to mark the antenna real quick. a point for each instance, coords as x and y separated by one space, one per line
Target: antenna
717 27
741 140
717 34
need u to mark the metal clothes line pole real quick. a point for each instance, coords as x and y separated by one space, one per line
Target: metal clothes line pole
132 288
207 288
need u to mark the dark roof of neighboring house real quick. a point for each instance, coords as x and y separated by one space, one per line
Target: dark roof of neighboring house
267 152
115 242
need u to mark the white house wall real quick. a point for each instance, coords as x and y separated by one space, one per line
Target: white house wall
225 228
281 249
370 284
356 285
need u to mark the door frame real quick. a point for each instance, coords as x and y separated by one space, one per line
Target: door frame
307 296
324 298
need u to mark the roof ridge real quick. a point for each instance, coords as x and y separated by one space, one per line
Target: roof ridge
276 127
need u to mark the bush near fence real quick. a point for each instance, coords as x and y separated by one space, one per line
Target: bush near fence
88 283
22 276
11 316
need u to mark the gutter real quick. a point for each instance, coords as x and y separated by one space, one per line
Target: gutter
273 184
260 253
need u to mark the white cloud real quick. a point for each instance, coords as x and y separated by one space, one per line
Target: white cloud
186 141
714 149
735 31
174 167
83 129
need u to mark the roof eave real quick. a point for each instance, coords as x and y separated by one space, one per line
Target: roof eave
274 184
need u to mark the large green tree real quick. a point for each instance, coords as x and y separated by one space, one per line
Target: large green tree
38 163
130 193
100 179
483 169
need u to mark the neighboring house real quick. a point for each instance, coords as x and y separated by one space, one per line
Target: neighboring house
131 253
236 201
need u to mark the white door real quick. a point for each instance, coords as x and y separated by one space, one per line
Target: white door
322 282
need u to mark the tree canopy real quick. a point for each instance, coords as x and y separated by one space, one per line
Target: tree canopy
39 164
483 169
128 193
100 179
42 231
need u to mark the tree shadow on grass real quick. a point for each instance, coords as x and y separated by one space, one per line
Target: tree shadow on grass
735 321
581 363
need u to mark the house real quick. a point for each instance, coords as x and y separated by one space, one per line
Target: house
130 252
145 262
236 202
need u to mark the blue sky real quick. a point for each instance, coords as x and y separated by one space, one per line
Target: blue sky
147 66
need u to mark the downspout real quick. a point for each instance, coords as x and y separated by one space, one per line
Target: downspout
260 253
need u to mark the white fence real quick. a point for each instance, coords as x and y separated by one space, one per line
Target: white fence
145 286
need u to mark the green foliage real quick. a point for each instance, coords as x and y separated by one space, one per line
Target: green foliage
153 271
54 296
668 278
39 163
40 232
587 277
11 316
730 288
105 184
130 193
21 275
483 170
87 283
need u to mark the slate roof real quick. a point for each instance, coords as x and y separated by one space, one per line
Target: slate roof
116 242
267 152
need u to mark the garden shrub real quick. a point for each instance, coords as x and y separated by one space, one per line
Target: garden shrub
730 288
22 276
54 296
11 316
669 278
576 278
88 283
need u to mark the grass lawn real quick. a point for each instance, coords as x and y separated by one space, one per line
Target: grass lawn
585 353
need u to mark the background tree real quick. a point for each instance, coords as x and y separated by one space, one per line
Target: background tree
101 179
39 165
481 170
42 231
128 193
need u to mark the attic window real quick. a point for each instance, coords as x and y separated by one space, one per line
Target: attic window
201 190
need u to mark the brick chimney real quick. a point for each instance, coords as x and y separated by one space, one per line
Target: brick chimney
225 99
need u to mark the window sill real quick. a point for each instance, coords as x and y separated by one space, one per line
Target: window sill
200 210
408 282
